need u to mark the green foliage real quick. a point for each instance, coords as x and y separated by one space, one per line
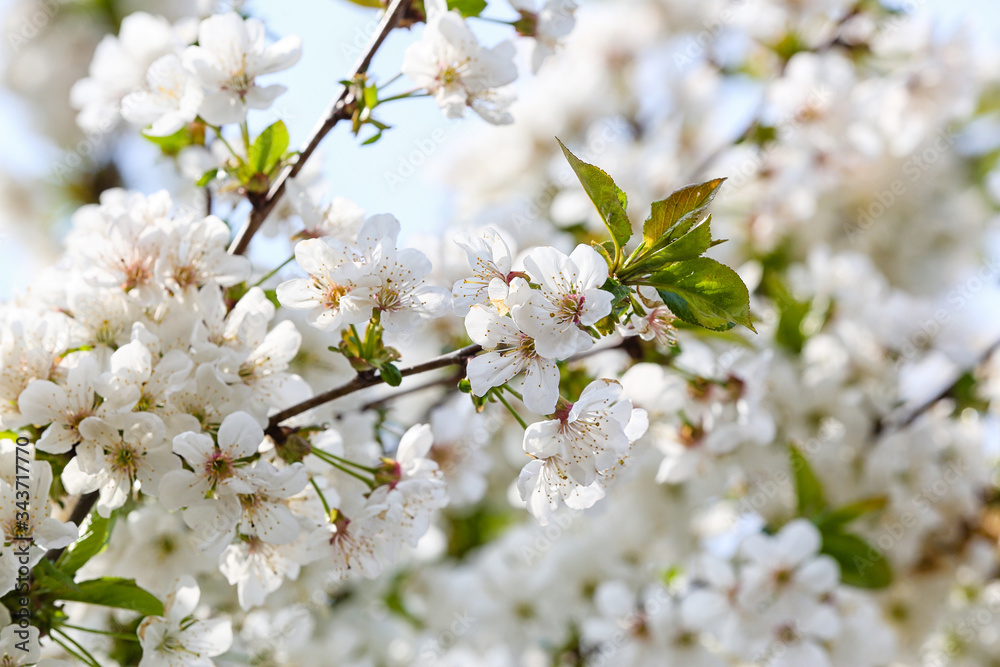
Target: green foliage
698 290
473 527
94 536
808 489
54 583
861 564
468 8
607 197
704 292
673 217
189 135
264 159
114 592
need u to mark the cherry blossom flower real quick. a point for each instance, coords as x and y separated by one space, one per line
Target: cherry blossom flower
547 25
490 260
338 292
230 55
450 63
214 468
170 100
570 298
132 450
509 351
177 637
573 452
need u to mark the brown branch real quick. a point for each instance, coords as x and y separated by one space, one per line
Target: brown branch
887 423
364 380
79 513
439 382
340 109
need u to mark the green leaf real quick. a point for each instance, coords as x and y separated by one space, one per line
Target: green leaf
370 96
272 296
468 8
172 144
689 246
268 147
94 536
837 519
608 198
390 374
674 216
861 564
808 489
704 292
605 253
207 178
114 592
47 577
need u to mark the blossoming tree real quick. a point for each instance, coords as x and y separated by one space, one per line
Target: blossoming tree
579 429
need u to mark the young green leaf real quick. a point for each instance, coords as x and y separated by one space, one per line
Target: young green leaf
837 519
688 246
114 592
173 143
94 536
607 197
207 177
704 292
861 564
808 489
390 373
468 8
268 147
674 216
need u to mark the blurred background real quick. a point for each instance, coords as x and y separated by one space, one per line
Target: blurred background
48 46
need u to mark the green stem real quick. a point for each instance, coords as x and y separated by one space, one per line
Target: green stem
515 394
107 633
325 458
322 498
79 647
274 271
410 94
391 81
510 408
341 459
218 133
493 20
245 131
70 651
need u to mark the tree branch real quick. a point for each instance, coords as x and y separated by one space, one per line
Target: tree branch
887 423
364 380
79 513
340 109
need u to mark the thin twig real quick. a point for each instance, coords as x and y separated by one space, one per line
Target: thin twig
340 109
886 423
439 382
364 380
79 513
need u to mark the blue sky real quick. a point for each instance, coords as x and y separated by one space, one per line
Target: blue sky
326 27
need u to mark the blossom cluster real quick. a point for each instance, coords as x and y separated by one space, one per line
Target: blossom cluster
535 437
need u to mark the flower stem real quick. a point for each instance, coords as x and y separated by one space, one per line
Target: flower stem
322 498
245 132
327 458
117 635
273 271
87 657
511 409
218 133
